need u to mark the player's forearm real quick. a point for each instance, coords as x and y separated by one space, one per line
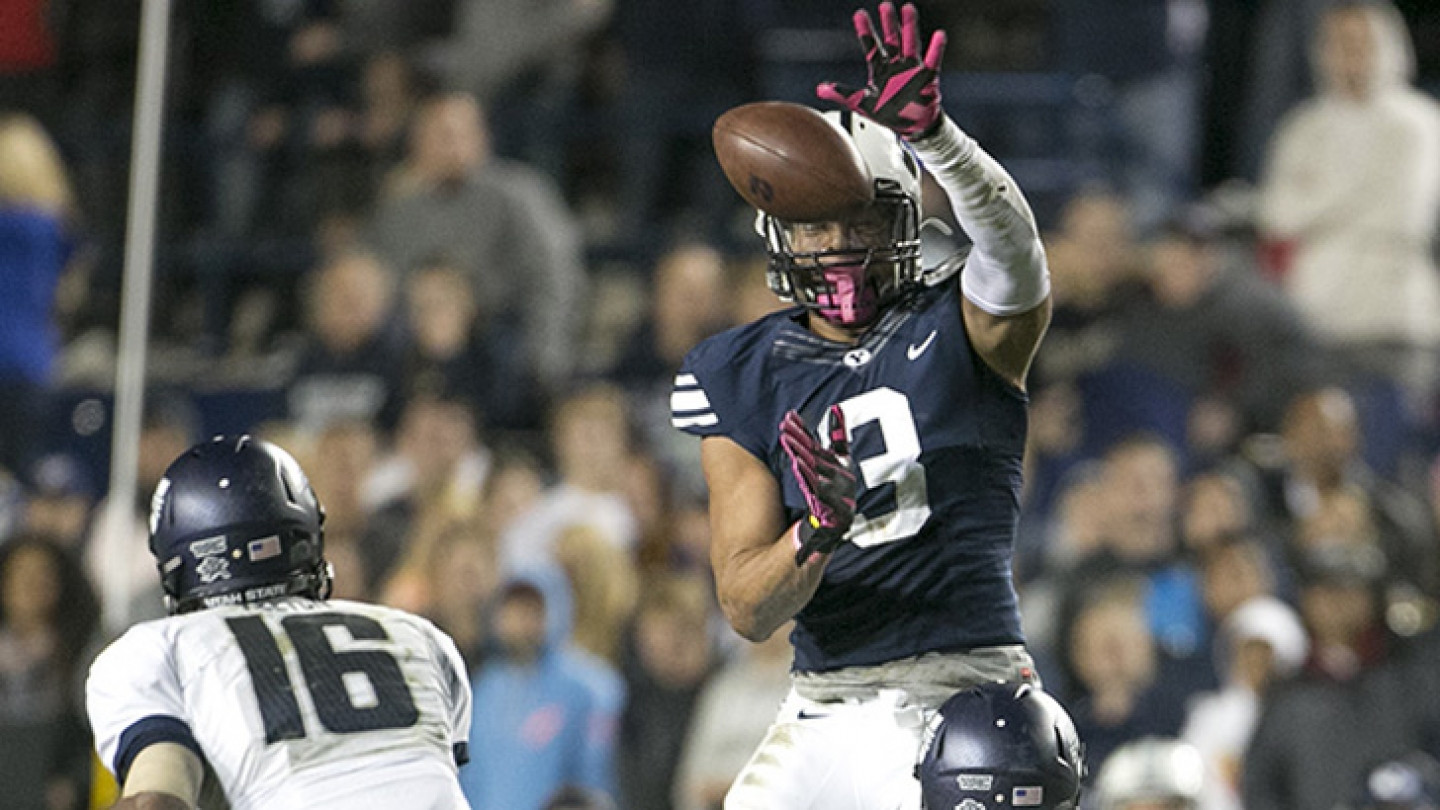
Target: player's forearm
153 800
761 588
1006 272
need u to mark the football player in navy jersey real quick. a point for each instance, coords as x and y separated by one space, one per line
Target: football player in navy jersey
863 448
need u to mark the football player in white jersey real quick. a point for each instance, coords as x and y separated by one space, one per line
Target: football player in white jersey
256 689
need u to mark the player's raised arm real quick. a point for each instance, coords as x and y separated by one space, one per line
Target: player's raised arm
1005 280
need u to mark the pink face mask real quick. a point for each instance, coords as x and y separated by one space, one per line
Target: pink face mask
850 301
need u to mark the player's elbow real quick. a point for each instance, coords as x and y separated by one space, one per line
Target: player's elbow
746 619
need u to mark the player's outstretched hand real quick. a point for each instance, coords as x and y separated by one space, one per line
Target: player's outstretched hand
904 90
825 481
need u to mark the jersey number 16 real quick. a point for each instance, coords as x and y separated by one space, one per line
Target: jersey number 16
353 690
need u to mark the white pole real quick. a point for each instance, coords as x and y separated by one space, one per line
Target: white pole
135 314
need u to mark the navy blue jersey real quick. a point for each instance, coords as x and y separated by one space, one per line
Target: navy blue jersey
936 441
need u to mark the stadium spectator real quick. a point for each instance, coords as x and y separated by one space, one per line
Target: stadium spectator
450 575
733 711
668 661
523 60
1139 490
274 111
60 502
545 716
513 488
350 363
503 223
1235 349
1216 504
1233 572
1357 700
1260 644
48 619
1321 491
1053 550
35 246
342 460
590 435
690 303
435 475
1117 691
449 355
605 586
1354 228
1093 265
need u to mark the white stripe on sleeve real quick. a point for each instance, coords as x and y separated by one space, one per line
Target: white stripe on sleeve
689 401
703 420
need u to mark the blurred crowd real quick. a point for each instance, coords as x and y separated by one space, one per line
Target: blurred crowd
450 254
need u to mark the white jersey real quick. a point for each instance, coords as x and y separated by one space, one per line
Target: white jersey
293 704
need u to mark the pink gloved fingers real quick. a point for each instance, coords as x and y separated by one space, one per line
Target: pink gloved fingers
890 27
936 54
909 32
827 486
865 32
848 97
839 437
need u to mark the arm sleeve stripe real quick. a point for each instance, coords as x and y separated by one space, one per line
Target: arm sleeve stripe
689 401
704 420
686 381
147 731
462 752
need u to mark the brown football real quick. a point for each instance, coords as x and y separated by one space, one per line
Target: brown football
789 162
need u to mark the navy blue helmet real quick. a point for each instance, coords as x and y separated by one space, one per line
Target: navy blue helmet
1001 746
234 521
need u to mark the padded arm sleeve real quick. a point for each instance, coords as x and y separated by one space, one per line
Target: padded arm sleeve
1006 273
168 768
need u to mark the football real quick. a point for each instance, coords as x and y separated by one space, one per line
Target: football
788 161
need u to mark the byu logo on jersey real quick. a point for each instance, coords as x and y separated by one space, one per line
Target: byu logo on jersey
855 358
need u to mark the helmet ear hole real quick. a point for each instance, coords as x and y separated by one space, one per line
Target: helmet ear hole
289 490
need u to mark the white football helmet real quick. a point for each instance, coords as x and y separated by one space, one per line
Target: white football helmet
1152 770
839 284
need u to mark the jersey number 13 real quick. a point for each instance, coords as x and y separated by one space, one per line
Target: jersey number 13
899 465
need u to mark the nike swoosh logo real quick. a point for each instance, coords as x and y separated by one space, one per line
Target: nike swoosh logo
915 351
805 715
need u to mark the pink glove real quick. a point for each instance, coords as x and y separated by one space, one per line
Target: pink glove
904 92
825 480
